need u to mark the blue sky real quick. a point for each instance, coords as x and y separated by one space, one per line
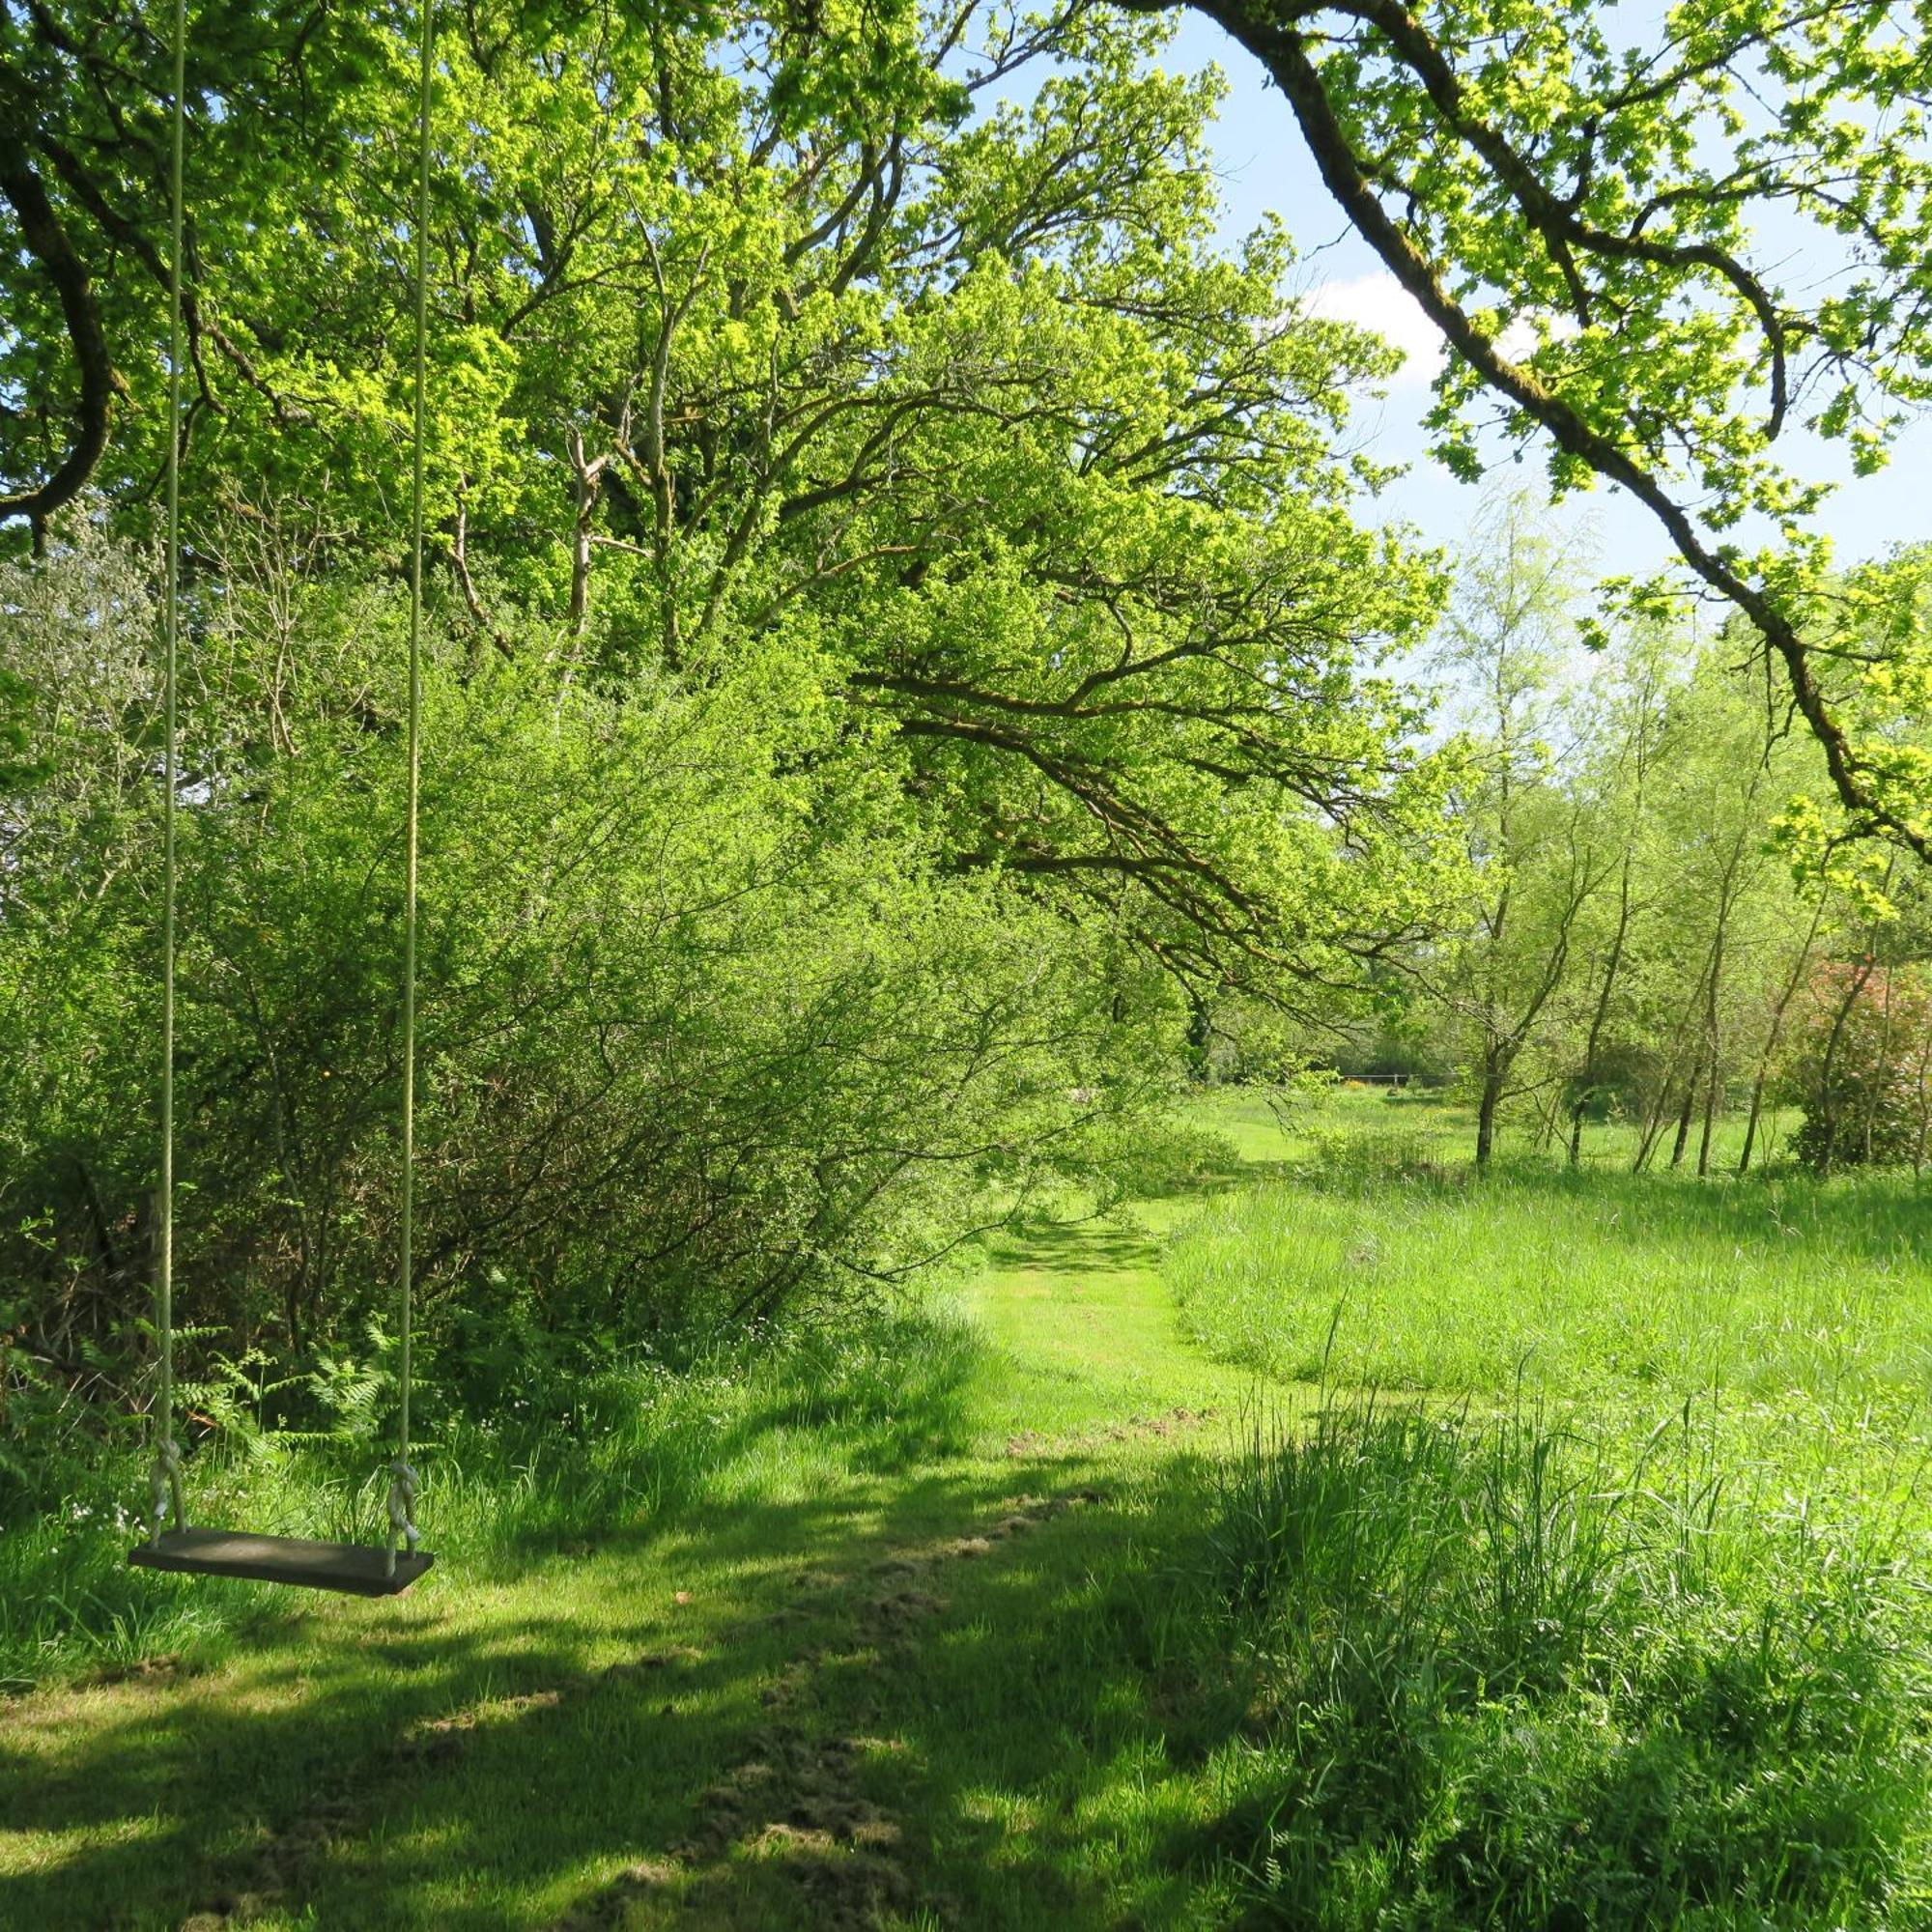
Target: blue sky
1262 166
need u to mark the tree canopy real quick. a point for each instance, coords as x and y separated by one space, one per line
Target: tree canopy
903 641
751 335
1712 241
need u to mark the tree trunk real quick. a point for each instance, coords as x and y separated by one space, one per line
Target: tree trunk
1770 1053
586 483
1875 1098
1828 1104
1667 1087
1689 1108
1599 1018
1925 1110
1713 1046
1713 1090
1496 1068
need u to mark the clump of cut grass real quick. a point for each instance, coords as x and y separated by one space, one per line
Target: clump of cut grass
1510 1673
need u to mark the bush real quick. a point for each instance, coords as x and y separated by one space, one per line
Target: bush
1861 1069
709 1037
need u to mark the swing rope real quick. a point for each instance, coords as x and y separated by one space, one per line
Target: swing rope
165 1481
402 1477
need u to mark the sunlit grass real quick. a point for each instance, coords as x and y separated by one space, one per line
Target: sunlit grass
1514 1669
1378 1262
1586 1593
1595 1593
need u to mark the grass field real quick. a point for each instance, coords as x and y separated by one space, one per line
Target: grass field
1072 1603
1372 1253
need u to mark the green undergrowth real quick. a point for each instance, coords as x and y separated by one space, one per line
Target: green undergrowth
637 1446
1595 1593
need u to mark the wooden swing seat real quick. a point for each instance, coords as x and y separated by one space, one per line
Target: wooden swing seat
353 1568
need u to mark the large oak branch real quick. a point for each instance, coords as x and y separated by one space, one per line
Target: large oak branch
45 239
1274 36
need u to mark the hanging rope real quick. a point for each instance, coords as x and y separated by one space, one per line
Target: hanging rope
165 1481
402 1477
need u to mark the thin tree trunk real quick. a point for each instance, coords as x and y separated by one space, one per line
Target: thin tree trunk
1776 1034
1924 1108
1666 1088
1881 1071
1712 1043
1496 1068
1599 1018
1685 1112
586 484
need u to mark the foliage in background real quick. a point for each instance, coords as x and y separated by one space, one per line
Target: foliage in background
1636 927
1862 1067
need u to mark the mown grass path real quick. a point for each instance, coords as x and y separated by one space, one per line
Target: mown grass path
902 1676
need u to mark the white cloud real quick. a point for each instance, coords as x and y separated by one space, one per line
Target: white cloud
1520 340
1379 303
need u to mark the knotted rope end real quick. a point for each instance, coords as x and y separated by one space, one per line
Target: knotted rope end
403 1533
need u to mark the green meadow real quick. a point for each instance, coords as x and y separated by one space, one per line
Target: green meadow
1324 1538
833 828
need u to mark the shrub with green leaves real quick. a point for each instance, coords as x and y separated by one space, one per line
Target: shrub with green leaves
709 1036
1862 1069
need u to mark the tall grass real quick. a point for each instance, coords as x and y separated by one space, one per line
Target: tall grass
1434 1279
1508 1671
1593 1595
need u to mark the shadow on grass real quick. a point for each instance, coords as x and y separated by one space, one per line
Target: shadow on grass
413 1770
1212 1175
904 1401
1099 1246
1871 1215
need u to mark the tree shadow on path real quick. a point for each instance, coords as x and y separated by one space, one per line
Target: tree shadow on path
740 1757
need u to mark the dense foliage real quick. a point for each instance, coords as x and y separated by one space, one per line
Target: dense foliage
750 340
1862 1067
901 643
